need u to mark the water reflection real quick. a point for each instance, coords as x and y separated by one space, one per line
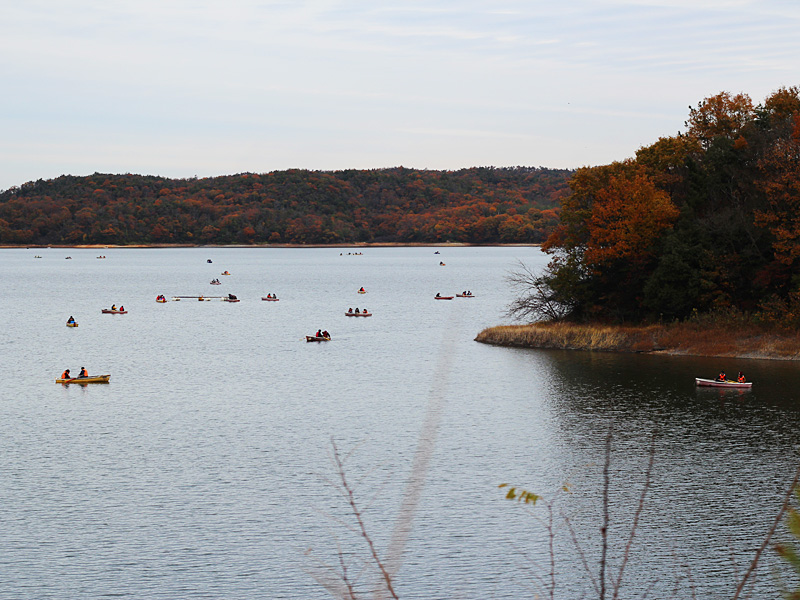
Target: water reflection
723 457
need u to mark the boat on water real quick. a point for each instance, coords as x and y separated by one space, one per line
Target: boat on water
269 299
225 273
357 314
231 300
465 295
72 324
108 311
161 299
443 297
83 380
314 338
722 384
216 282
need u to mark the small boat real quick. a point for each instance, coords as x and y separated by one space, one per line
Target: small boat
722 384
362 291
161 299
225 273
465 295
215 282
314 338
443 297
82 380
358 314
73 324
267 299
67 258
231 300
108 311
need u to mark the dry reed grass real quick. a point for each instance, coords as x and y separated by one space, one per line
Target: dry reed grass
677 338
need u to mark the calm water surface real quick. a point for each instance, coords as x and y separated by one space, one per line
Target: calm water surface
204 469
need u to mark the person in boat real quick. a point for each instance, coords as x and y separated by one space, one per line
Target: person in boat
364 311
83 372
325 334
361 290
121 309
722 376
350 310
437 295
356 310
113 307
65 375
319 333
741 378
71 319
231 297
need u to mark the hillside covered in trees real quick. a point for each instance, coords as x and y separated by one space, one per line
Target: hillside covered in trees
478 205
706 222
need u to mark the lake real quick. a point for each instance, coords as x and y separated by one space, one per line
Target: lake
205 468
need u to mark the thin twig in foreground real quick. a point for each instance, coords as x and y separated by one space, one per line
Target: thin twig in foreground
639 508
604 528
770 533
362 528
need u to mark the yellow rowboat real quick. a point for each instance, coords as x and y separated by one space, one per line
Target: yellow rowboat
73 324
92 379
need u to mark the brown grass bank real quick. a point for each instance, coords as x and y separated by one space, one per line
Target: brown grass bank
675 338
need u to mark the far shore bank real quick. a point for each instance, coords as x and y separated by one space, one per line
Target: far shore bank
688 339
351 245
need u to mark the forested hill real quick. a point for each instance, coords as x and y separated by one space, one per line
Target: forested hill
477 205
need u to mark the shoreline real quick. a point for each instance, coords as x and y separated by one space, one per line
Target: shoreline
269 246
679 339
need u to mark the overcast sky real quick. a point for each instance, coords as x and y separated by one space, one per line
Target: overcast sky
179 88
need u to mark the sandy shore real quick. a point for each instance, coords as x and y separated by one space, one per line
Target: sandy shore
679 339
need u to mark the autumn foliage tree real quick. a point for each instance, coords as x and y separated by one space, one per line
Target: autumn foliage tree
707 220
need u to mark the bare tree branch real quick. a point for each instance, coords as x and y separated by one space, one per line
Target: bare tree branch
635 524
770 533
359 519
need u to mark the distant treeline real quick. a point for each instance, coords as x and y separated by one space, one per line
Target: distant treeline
707 221
477 205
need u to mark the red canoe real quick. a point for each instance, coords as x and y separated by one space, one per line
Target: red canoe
265 299
361 314
443 297
108 311
722 384
313 338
